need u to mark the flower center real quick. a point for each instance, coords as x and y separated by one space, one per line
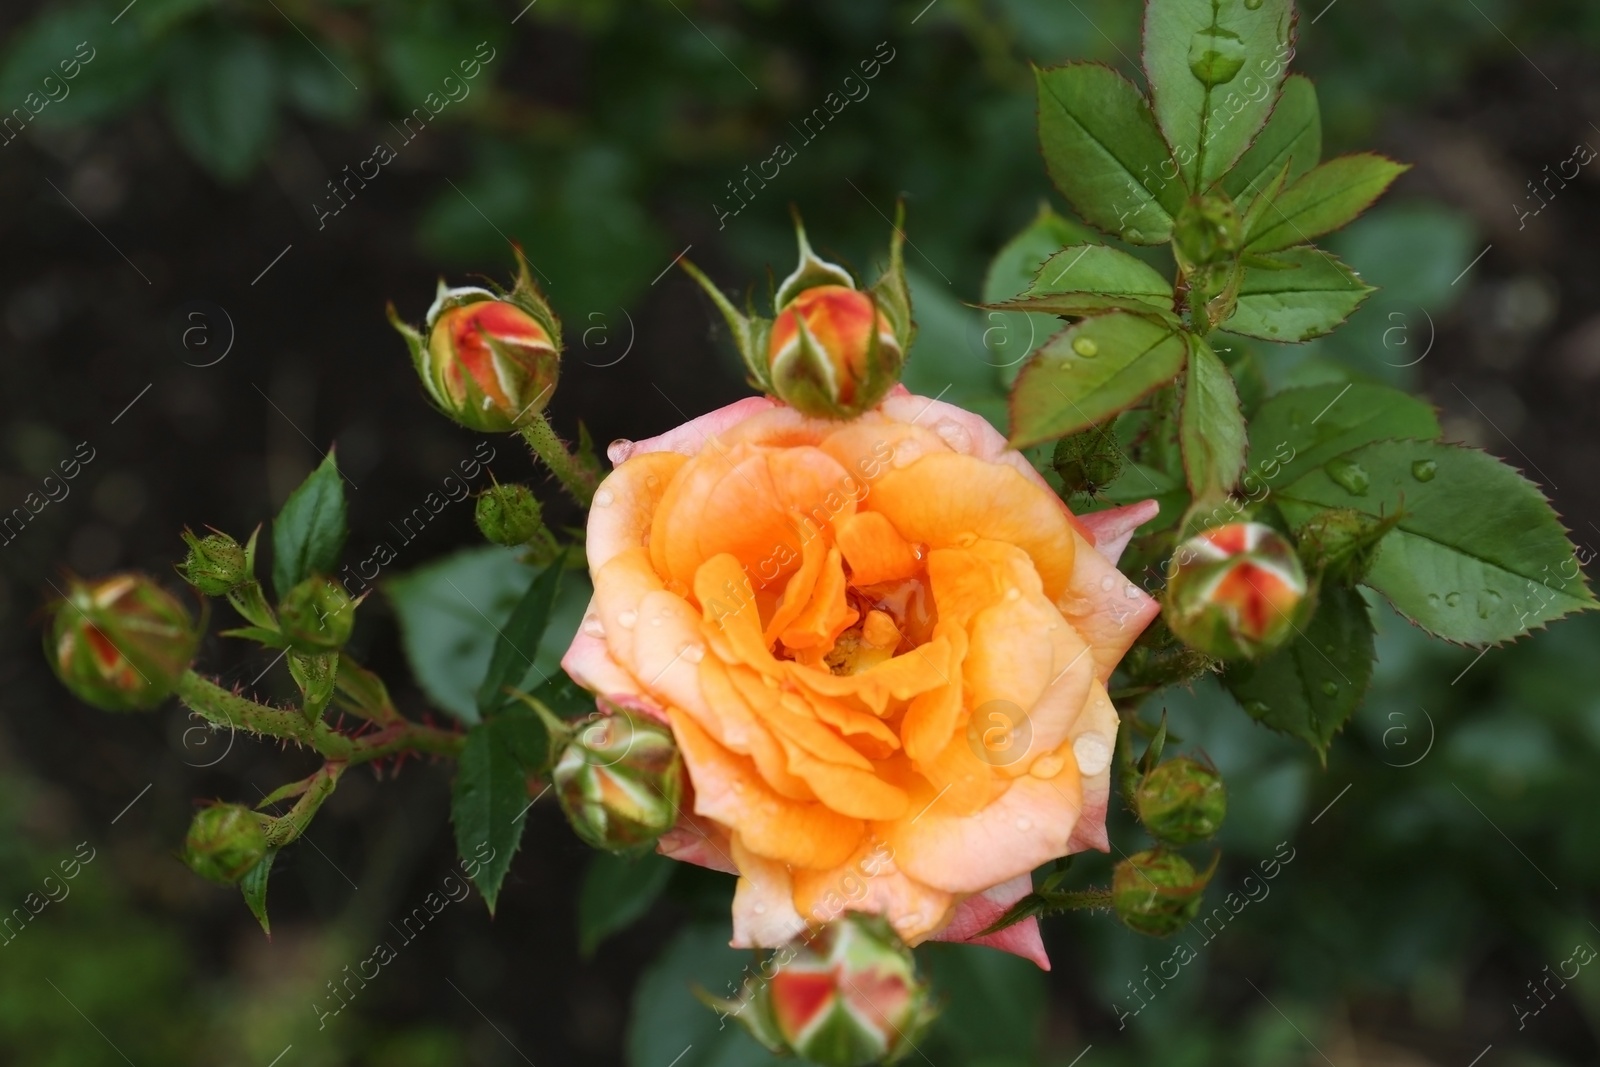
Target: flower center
892 618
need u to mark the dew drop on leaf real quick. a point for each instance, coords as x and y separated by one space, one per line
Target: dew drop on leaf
1330 688
1423 470
1215 55
1257 708
1252 5
1133 236
1085 347
1351 476
1452 600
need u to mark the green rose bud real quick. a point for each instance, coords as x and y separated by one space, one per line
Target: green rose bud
1182 801
847 995
1235 591
216 564
1088 462
224 842
317 615
1157 892
619 778
121 643
508 515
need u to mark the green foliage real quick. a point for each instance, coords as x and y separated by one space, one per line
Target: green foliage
309 531
1291 138
1304 293
1323 200
517 641
1211 426
490 798
668 1021
222 99
617 890
1319 422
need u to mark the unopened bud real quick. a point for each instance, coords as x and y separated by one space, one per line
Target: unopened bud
1089 461
224 842
832 353
1157 892
1235 591
1343 541
847 995
216 564
121 643
317 614
1208 229
619 779
508 515
1182 801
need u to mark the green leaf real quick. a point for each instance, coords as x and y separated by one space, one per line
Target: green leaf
490 796
1310 298
1311 686
617 890
309 532
517 642
1323 200
994 1006
254 887
1210 424
97 69
1292 137
1478 555
1086 278
1104 153
1089 372
1019 260
1214 71
667 1021
1298 430
450 614
222 99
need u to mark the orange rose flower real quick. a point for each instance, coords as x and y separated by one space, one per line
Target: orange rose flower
882 646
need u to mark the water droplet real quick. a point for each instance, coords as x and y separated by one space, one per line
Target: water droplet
1329 688
652 481
1423 470
1024 824
1130 591
594 627
1013 593
1257 709
1452 600
954 434
1085 347
694 653
1351 476
1215 56
906 453
656 621
1047 766
1093 753
966 540
603 498
1107 582
1486 606
627 619
1433 600
1133 236
1252 5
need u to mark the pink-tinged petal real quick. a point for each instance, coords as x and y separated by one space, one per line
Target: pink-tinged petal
962 430
625 505
700 842
1107 610
1112 529
764 914
1094 737
589 662
981 911
691 437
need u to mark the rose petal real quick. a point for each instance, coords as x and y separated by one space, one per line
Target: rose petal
978 912
1112 529
689 438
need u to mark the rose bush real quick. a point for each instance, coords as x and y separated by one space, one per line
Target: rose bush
826 613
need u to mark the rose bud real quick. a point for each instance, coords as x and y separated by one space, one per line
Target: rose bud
847 995
317 614
1087 462
832 352
1235 591
508 515
224 842
489 359
121 643
1157 892
1181 801
216 564
619 779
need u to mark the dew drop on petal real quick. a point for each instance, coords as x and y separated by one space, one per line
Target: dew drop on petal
1024 824
694 653
1107 582
906 453
603 498
594 627
1047 766
1093 752
656 621
652 481
760 909
954 434
1130 591
1013 593
627 619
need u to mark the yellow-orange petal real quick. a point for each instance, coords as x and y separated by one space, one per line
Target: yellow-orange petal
625 504
764 914
729 790
875 550
827 614
738 724
870 882
1108 610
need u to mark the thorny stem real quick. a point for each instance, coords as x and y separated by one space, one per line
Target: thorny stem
577 477
224 708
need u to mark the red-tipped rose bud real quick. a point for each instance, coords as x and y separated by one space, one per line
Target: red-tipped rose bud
1157 892
619 779
120 643
224 842
1236 591
317 615
1182 801
846 996
832 352
489 359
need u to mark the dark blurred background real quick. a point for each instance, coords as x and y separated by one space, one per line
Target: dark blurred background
178 292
